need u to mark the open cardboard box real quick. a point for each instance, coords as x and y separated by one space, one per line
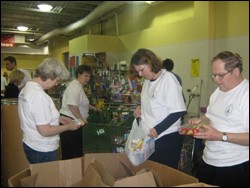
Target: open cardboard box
196 185
73 172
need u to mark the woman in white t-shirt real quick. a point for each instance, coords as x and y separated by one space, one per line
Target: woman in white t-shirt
75 105
38 115
162 107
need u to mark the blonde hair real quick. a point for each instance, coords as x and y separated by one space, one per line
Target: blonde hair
16 76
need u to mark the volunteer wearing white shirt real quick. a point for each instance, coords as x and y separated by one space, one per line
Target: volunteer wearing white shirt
225 160
38 115
162 107
75 105
3 85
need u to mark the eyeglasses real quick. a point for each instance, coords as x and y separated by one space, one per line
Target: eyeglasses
141 71
220 76
58 81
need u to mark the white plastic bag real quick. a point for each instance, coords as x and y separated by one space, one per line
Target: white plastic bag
137 157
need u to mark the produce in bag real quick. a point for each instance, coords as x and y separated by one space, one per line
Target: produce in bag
139 146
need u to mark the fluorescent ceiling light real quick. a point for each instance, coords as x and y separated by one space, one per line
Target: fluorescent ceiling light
45 7
22 28
149 2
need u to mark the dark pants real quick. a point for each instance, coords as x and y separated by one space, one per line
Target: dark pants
197 153
71 144
168 149
233 176
34 156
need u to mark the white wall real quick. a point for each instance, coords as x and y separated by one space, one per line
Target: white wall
238 45
182 54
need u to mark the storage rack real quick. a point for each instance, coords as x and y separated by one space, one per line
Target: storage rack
107 130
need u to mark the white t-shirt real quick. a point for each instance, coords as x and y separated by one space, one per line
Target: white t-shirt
3 83
228 112
26 78
160 98
75 95
35 107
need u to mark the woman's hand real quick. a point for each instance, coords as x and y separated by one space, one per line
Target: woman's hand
208 133
153 133
64 120
76 124
194 121
95 108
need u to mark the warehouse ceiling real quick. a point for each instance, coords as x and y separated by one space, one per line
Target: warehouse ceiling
15 13
65 17
63 13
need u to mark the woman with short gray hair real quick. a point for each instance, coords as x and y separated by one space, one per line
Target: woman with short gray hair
38 115
51 68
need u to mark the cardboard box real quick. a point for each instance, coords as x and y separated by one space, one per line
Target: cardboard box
96 175
196 185
115 166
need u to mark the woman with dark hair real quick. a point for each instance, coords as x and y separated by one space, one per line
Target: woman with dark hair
162 107
75 105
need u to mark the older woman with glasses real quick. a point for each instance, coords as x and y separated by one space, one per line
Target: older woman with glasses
162 107
38 115
225 160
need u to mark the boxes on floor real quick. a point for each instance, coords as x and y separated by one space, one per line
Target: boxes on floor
196 185
99 169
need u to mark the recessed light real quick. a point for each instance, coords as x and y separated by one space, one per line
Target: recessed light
22 28
45 7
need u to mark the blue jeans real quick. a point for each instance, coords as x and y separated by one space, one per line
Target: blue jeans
34 156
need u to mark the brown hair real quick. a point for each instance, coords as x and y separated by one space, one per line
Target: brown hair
231 60
146 57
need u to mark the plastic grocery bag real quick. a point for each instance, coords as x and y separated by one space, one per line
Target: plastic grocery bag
139 146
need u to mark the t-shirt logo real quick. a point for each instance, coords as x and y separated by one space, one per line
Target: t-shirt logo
229 110
153 95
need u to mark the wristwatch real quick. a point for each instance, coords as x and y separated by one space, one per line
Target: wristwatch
224 137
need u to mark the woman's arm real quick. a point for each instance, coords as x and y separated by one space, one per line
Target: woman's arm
48 130
76 112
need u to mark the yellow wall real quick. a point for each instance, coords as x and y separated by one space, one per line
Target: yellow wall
162 24
204 20
78 45
58 46
95 43
232 18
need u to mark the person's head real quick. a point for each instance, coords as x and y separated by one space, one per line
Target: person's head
51 71
145 63
226 70
83 74
10 63
168 64
16 76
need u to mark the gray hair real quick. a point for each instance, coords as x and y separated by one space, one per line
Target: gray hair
51 68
